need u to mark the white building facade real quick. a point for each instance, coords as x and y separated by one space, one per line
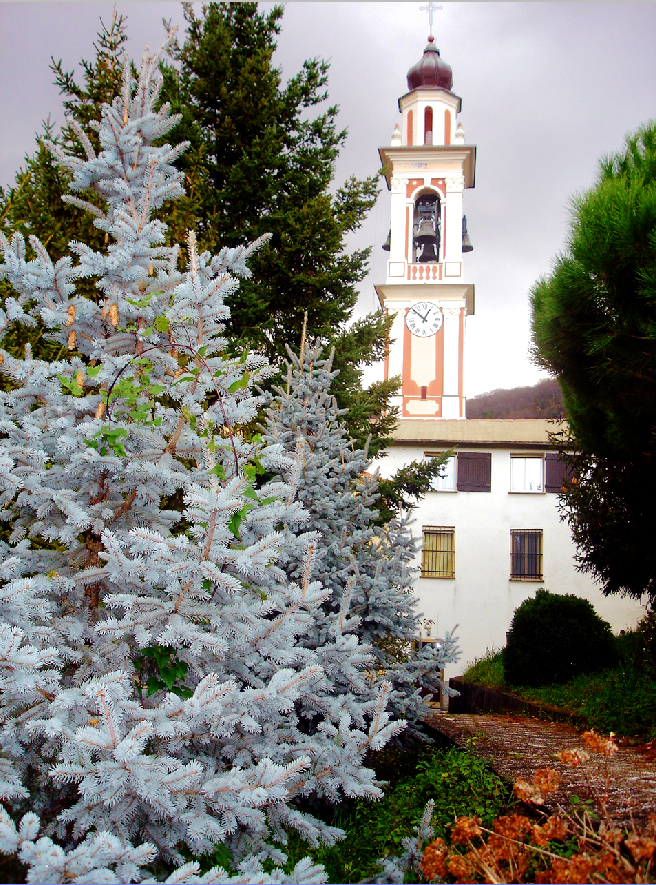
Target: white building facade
490 532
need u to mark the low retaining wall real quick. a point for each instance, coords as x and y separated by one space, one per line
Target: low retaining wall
474 698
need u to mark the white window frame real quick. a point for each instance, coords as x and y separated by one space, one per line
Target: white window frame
449 481
524 480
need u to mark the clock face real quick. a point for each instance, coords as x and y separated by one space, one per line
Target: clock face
424 319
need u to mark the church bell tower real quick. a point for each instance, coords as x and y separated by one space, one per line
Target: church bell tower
428 167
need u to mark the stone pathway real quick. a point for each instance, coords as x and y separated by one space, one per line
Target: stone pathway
518 745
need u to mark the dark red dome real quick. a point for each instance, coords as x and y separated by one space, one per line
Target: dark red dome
430 71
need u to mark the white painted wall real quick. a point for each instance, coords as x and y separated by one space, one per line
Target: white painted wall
482 599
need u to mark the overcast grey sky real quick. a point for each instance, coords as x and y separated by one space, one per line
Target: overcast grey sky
547 89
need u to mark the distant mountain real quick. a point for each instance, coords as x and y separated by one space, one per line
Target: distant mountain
541 400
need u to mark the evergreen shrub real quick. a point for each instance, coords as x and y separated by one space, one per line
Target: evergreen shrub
553 638
646 629
637 648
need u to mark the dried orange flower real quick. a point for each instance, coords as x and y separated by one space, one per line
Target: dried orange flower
71 315
566 870
79 378
113 314
100 411
71 339
526 792
609 834
433 863
555 827
460 868
546 780
512 826
599 744
573 757
2 359
539 836
641 847
464 829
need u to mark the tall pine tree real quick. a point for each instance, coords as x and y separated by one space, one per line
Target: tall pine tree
269 156
594 329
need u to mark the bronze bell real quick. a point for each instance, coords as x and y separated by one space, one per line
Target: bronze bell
388 242
425 232
427 238
466 242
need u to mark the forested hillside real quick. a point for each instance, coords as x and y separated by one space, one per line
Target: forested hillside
542 400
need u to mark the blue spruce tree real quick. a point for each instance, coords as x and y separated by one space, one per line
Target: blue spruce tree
367 568
153 667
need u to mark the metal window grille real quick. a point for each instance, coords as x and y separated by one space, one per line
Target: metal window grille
526 554
438 556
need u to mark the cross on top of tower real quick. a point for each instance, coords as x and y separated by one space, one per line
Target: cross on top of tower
430 8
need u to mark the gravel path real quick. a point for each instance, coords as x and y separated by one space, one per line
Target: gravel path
518 745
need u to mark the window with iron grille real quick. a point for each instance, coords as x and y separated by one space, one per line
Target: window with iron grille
526 554
438 555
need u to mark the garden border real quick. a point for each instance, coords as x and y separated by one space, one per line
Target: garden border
473 699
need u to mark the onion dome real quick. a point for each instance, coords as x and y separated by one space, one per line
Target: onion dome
430 71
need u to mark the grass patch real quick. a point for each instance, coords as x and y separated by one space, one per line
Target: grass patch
486 670
622 700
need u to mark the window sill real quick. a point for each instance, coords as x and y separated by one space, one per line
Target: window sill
439 577
526 492
536 580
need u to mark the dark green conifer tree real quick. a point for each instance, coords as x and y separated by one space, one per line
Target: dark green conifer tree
594 328
262 159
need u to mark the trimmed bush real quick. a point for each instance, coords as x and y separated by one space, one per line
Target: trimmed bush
554 638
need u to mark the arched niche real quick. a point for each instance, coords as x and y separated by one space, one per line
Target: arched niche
428 125
426 226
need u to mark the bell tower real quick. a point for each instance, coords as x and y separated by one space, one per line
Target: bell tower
428 167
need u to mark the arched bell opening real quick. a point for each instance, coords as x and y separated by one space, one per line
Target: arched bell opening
426 229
